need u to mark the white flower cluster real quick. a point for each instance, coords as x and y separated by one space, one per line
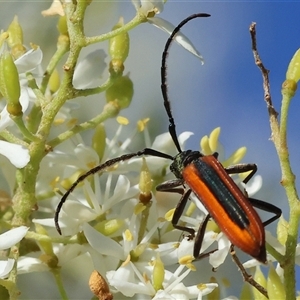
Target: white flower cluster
105 224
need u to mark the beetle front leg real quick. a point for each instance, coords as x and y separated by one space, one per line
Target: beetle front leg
172 186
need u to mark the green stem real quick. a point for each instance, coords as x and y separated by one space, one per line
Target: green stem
138 19
62 48
41 99
59 283
106 114
288 182
9 137
13 291
59 239
25 132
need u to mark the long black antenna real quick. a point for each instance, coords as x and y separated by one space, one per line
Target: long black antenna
100 168
164 87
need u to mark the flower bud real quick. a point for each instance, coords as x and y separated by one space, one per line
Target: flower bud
46 246
15 33
62 25
121 91
274 285
98 140
260 279
119 45
293 71
54 81
10 84
158 274
15 38
145 184
108 227
282 230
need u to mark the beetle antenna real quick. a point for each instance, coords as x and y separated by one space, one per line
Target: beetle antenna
99 168
164 87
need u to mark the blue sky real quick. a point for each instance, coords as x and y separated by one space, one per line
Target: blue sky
226 91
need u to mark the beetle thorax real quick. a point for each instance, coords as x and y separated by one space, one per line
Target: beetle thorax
181 160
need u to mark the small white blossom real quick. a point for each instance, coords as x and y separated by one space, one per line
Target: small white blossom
150 8
7 240
12 236
89 70
18 155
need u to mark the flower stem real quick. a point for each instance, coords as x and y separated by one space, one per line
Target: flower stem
59 282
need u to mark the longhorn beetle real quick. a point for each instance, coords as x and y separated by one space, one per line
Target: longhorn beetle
204 176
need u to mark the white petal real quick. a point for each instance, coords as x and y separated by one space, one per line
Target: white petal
209 287
218 257
148 6
136 4
161 294
29 61
5 267
124 281
30 264
18 155
254 185
102 243
12 236
180 38
89 70
79 211
183 137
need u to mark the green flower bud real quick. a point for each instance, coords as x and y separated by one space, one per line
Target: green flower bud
293 71
121 92
260 279
282 230
275 285
15 38
119 45
54 81
145 184
15 33
108 227
46 246
98 140
158 274
9 84
62 25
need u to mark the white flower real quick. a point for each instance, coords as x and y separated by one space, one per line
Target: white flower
89 70
28 62
12 236
150 9
18 155
7 240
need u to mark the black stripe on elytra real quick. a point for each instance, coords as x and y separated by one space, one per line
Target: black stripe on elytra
216 186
